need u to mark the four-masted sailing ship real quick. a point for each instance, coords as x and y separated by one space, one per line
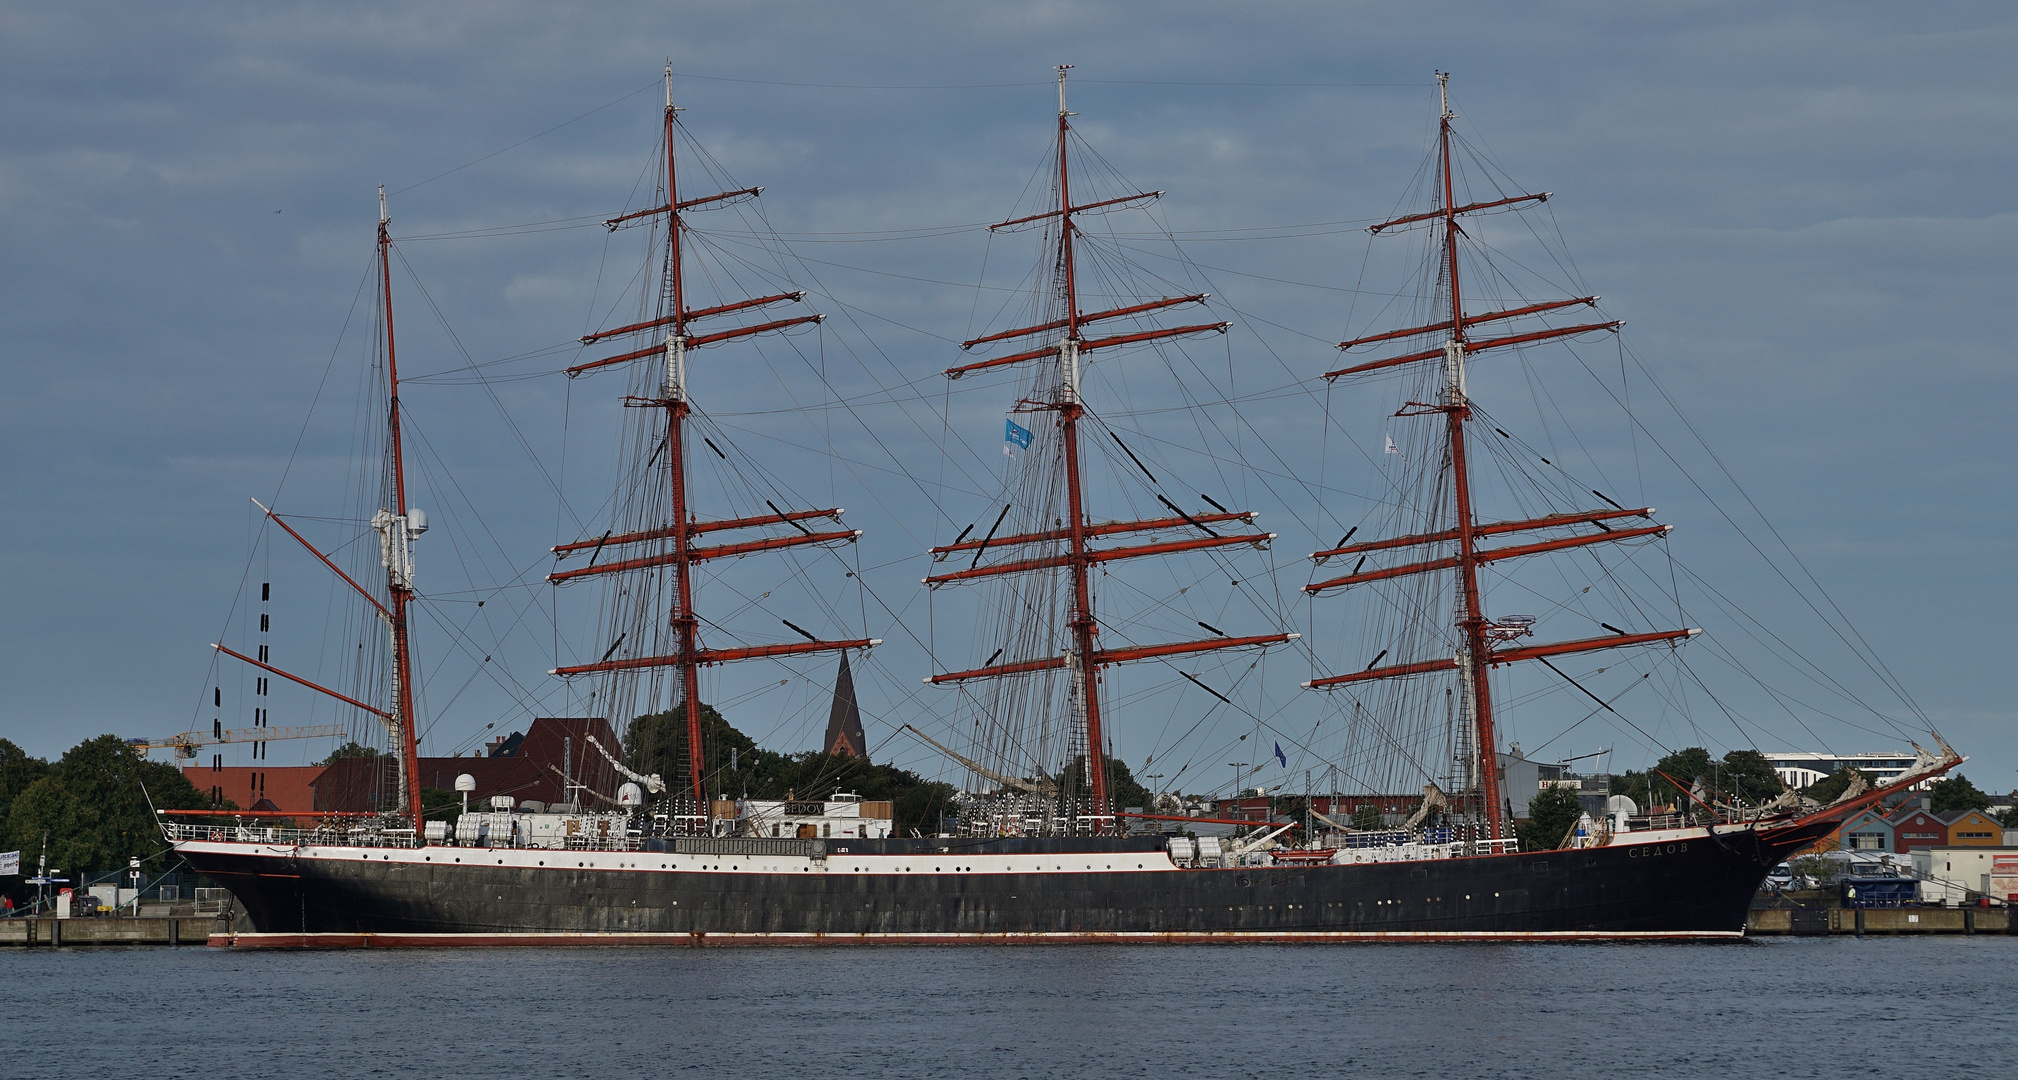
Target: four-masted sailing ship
1047 856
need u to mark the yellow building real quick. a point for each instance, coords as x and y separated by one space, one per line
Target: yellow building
1973 828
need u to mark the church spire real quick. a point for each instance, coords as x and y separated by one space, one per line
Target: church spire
844 720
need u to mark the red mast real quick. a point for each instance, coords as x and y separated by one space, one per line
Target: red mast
397 528
1480 647
689 656
1086 658
1084 628
1456 411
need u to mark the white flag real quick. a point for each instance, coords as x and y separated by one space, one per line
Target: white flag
1391 447
10 863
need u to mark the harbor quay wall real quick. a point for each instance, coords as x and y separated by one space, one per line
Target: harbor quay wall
1801 921
115 930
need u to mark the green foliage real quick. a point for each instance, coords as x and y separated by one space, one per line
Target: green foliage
92 808
2009 818
1742 774
1366 817
1747 776
657 743
1552 813
1955 793
1829 788
436 804
1122 788
1818 871
349 750
17 771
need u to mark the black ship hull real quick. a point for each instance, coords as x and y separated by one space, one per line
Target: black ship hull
1690 884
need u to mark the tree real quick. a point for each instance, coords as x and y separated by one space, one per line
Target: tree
1816 871
1122 789
17 771
1683 767
734 766
94 807
1366 817
1831 787
1955 793
349 750
1552 813
1742 774
1746 775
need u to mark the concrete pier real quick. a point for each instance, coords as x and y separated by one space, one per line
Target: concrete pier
1804 921
111 930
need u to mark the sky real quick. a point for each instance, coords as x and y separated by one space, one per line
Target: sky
1804 213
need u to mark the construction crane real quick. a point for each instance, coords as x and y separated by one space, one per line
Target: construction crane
185 744
1040 787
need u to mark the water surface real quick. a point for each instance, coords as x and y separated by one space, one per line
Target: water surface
1797 1007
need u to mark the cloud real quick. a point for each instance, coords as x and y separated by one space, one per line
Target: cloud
1802 211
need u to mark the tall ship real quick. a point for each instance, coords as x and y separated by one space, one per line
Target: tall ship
1044 849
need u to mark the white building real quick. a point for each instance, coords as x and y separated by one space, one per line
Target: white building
1801 769
1953 871
840 815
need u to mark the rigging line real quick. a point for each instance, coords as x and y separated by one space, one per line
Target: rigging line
855 86
1275 280
502 550
1603 706
842 400
1865 655
880 273
1814 672
1785 701
1868 655
501 231
293 454
489 390
520 695
653 85
1602 702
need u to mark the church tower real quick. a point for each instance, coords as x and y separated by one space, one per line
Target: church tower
844 721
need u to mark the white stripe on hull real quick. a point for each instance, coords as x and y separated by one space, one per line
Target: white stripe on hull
1200 937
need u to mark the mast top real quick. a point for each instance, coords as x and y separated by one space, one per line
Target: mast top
670 107
1443 92
1062 111
383 217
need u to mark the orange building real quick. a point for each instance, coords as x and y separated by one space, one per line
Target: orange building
1973 828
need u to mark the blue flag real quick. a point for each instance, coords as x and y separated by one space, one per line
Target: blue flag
1279 757
1014 437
